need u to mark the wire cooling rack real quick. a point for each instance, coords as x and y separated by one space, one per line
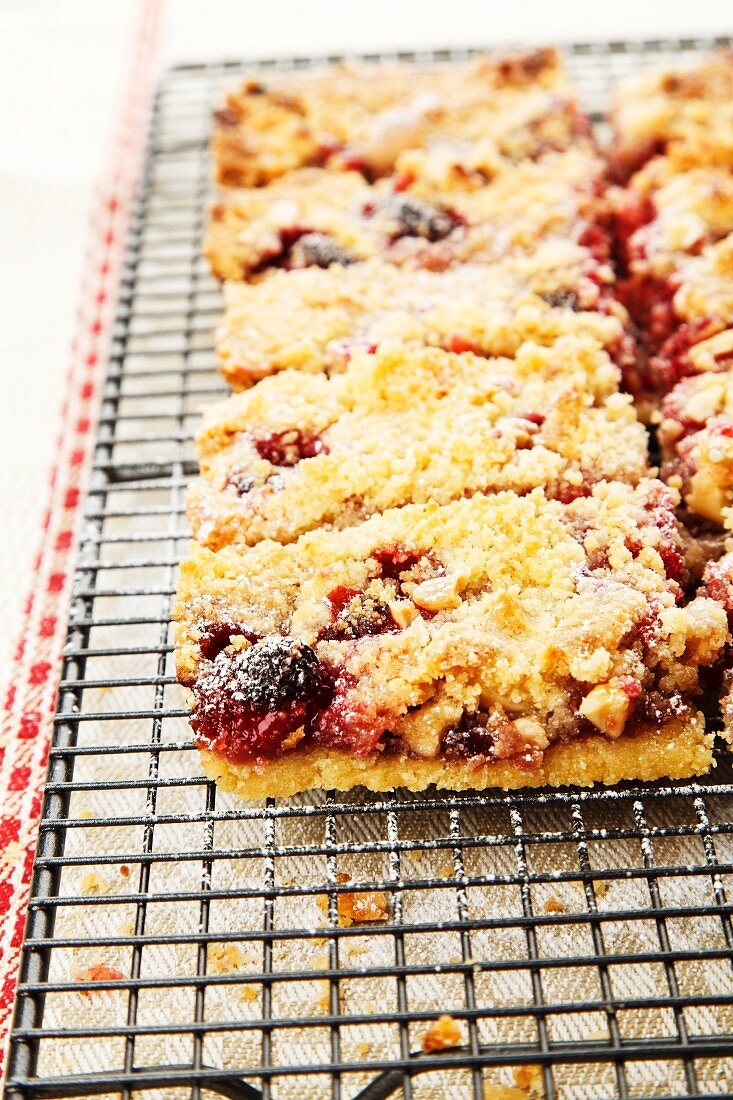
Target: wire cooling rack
583 941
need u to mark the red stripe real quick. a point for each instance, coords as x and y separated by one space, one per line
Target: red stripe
27 719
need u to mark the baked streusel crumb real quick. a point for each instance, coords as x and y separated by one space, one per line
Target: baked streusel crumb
313 217
303 451
315 319
476 633
364 116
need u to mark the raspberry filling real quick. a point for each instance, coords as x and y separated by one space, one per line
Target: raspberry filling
256 703
650 303
597 240
482 737
636 212
660 506
718 586
356 615
290 447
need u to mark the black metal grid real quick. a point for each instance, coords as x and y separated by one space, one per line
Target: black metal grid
588 933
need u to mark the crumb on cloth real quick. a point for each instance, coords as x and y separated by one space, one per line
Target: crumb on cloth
442 1034
92 883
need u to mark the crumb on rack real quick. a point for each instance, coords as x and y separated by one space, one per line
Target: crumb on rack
360 907
97 973
442 1034
223 958
529 1078
528 1085
554 905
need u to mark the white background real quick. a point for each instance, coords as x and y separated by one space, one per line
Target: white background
62 65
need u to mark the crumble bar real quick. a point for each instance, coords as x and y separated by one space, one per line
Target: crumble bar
675 218
494 641
399 427
696 438
363 116
314 319
671 106
674 225
313 217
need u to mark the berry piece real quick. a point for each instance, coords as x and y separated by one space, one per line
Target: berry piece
470 738
289 447
258 703
318 250
274 672
241 482
356 615
414 218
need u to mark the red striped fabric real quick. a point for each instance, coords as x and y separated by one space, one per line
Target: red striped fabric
30 699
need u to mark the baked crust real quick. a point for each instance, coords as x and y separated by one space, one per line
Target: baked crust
679 749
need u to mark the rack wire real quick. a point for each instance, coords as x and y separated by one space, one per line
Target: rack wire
582 940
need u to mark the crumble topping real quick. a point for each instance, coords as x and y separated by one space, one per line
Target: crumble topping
315 320
399 427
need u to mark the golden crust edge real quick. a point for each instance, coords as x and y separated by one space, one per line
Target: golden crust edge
679 749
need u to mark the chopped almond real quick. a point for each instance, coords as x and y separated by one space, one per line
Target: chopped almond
443 1034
